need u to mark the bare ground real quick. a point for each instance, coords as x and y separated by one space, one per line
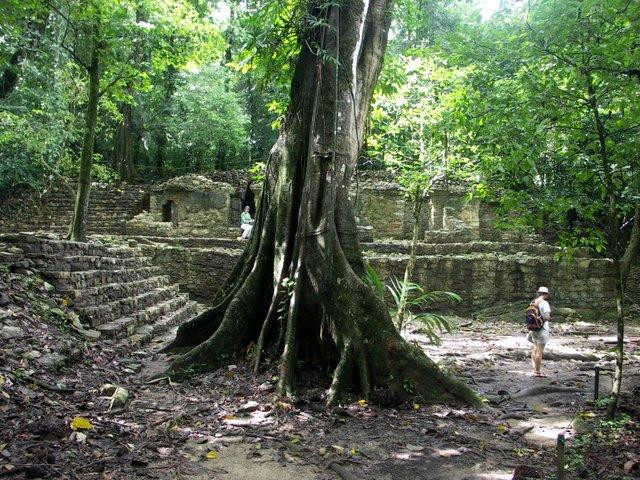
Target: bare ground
229 425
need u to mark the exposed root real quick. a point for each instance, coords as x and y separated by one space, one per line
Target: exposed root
341 375
286 381
204 325
232 335
363 370
239 321
267 326
543 390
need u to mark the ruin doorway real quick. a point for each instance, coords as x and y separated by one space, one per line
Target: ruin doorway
249 199
170 212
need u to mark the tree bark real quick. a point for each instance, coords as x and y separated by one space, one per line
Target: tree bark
123 148
297 290
161 135
77 229
9 79
613 244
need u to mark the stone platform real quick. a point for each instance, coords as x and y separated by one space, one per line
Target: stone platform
116 290
483 273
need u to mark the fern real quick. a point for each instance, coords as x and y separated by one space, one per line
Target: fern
418 300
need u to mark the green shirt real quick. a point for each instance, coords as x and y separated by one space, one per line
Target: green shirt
245 217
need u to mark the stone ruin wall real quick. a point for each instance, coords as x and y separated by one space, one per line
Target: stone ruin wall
383 206
482 279
447 215
462 253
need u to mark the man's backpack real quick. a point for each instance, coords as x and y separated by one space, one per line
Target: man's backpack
532 317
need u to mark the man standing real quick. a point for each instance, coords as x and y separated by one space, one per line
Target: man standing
539 338
246 223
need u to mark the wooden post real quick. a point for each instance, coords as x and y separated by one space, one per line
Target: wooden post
560 457
596 387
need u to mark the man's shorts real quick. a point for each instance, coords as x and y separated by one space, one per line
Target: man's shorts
538 337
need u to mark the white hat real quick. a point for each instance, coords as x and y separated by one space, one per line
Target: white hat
543 290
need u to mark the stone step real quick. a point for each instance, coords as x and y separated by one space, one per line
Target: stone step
54 246
190 242
94 278
107 312
114 291
126 326
403 247
8 258
83 263
144 333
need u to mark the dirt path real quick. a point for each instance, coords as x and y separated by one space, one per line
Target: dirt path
281 441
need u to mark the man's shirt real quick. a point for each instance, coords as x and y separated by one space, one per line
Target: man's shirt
545 312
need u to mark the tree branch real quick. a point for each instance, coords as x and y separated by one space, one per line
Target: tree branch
78 60
114 81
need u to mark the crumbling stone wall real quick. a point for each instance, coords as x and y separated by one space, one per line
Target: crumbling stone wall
484 279
192 205
51 210
199 271
495 275
381 203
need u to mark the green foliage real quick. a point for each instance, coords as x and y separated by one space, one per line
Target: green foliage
143 45
372 279
207 125
530 131
418 301
258 171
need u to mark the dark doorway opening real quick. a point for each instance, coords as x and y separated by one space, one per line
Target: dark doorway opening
169 212
146 202
249 199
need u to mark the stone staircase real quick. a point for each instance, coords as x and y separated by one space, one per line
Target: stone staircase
110 207
116 290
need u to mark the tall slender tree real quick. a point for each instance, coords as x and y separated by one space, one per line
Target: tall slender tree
297 290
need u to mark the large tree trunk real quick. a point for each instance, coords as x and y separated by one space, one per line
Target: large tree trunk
161 134
9 77
77 228
297 290
35 28
123 148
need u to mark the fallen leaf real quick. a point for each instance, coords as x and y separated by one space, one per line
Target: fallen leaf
78 437
212 455
80 423
416 406
630 465
295 440
285 407
585 415
164 451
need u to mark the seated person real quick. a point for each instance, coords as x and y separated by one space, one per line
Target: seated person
246 223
